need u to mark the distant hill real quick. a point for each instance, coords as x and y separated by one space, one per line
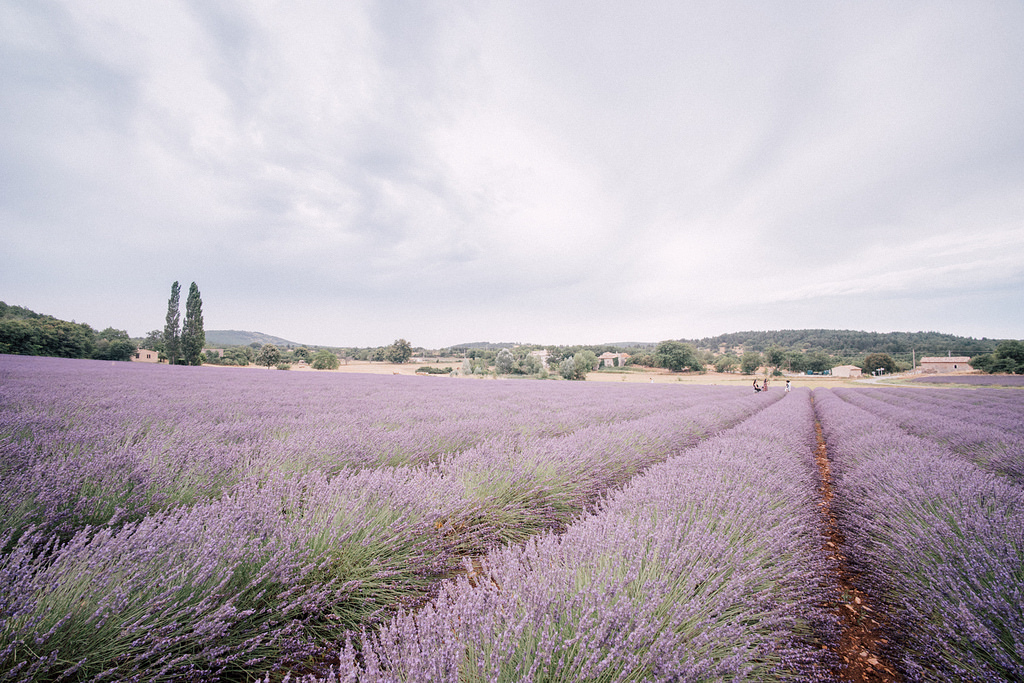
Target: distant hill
219 338
853 342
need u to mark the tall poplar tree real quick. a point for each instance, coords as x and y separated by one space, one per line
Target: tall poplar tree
192 335
172 333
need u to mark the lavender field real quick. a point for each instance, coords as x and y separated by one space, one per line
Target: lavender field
975 380
178 523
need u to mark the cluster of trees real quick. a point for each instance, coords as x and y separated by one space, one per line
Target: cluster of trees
183 342
777 360
1008 357
399 351
578 365
271 355
570 362
853 343
28 333
503 362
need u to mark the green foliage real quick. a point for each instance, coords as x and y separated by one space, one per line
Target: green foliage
28 333
577 366
239 355
46 336
429 370
586 362
1012 350
853 343
172 326
879 361
154 341
644 360
284 366
268 355
983 362
400 351
726 363
531 365
192 335
113 344
504 362
817 361
325 360
750 362
1007 358
676 356
775 357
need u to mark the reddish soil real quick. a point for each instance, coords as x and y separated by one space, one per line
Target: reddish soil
862 638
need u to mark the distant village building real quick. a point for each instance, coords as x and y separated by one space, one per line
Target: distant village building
612 360
946 364
846 371
146 356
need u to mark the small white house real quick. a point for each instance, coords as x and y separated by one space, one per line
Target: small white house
146 356
846 371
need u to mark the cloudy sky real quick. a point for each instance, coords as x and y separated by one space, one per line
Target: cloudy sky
347 173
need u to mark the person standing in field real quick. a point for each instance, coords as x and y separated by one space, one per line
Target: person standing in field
757 388
787 386
765 387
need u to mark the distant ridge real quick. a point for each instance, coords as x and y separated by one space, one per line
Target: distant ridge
218 338
852 342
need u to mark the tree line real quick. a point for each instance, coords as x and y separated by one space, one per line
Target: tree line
1008 357
852 343
25 332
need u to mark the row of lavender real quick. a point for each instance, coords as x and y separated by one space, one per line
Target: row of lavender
985 426
706 567
174 523
975 380
89 442
939 539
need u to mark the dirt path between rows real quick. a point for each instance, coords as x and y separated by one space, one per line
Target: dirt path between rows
861 636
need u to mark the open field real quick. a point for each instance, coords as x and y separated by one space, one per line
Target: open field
626 375
178 523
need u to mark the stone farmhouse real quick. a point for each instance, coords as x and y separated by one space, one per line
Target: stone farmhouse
612 360
946 364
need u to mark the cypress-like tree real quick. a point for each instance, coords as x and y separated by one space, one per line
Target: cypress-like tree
192 335
172 333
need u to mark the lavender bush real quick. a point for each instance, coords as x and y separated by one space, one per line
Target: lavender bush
705 567
173 523
985 427
975 380
186 523
92 443
940 541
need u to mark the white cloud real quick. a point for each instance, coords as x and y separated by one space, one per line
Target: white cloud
529 171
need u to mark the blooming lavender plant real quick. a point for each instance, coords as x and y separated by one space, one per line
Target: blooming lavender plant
986 429
939 540
705 567
185 523
975 380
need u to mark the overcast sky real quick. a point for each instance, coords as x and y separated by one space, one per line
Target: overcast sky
348 173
